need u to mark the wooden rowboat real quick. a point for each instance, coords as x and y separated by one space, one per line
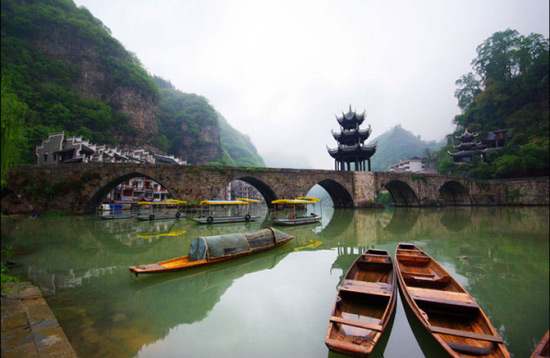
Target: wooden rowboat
444 307
212 249
364 305
542 349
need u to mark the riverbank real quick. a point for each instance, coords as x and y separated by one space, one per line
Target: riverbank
29 328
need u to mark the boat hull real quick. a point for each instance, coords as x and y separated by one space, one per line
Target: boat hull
444 307
156 216
364 305
224 219
297 221
116 217
542 350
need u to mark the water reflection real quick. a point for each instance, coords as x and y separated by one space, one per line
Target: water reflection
501 255
457 218
403 220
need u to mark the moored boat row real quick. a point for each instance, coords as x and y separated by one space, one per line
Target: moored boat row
285 211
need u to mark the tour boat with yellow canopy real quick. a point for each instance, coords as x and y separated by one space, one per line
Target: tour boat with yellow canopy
226 211
170 203
295 211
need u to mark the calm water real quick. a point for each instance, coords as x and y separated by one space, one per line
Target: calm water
276 303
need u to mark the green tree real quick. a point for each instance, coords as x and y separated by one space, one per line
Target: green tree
508 89
13 124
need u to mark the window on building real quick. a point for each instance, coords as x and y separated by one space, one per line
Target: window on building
45 158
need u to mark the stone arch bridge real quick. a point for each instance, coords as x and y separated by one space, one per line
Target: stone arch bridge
79 188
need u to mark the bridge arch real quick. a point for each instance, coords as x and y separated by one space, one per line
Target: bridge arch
402 193
339 195
97 197
455 193
265 190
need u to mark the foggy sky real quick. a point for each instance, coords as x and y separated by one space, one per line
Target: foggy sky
279 71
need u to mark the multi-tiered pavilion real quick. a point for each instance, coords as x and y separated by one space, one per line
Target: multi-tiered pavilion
467 147
351 153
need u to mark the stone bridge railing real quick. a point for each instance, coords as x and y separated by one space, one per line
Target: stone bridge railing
80 188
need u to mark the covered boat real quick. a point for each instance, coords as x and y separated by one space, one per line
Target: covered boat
364 305
294 211
444 307
211 249
226 211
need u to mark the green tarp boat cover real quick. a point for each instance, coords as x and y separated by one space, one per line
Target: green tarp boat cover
210 247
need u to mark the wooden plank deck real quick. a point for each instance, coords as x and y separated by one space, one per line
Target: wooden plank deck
374 288
444 297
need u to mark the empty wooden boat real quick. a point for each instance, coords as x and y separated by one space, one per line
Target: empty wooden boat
364 305
211 249
444 307
542 349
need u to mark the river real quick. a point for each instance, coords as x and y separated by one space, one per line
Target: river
276 303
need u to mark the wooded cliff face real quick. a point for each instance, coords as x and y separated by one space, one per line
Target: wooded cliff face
74 76
97 82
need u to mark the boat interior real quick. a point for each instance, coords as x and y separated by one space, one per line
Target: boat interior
364 298
446 307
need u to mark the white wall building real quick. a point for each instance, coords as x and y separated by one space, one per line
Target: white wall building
414 165
58 149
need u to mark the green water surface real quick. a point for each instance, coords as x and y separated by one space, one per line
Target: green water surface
276 303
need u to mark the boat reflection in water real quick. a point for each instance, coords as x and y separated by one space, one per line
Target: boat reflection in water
133 233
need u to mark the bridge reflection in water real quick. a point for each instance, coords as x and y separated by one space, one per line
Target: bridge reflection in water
82 265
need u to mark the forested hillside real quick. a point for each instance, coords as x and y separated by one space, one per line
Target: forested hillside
508 89
399 144
190 128
63 71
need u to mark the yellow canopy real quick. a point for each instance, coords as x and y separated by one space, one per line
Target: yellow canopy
308 198
167 202
292 201
249 200
223 202
171 233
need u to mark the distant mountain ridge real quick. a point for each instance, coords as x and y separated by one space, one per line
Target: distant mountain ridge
399 144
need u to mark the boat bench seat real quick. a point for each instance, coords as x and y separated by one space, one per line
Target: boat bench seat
373 288
443 297
421 274
350 322
413 260
466 334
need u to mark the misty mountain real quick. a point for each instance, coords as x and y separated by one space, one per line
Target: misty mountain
399 144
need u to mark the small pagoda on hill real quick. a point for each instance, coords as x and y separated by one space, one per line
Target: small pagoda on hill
467 148
351 137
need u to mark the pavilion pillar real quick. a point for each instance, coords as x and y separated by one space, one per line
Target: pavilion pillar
369 164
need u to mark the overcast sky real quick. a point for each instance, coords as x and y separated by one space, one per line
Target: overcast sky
279 71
